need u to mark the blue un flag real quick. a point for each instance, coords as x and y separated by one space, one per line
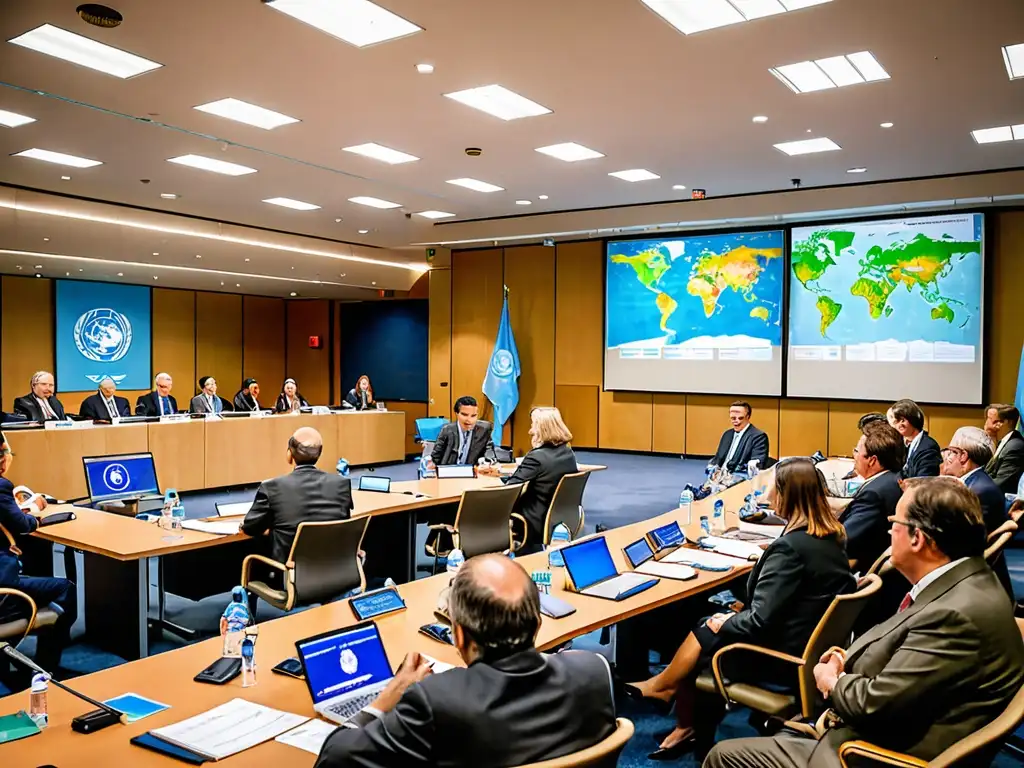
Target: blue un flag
500 383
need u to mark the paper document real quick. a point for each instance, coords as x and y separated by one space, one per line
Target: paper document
221 527
229 729
742 549
698 557
771 531
437 667
310 736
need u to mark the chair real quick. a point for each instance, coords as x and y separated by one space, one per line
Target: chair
323 564
604 754
998 539
15 630
428 429
833 629
567 505
483 522
883 564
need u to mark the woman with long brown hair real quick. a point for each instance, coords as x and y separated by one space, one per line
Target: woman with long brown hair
360 396
789 590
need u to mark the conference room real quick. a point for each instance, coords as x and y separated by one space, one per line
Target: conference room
466 345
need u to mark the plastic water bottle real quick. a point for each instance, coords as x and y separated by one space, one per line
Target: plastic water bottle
423 469
705 526
37 704
248 662
686 503
455 561
718 520
177 518
166 516
233 621
559 538
342 467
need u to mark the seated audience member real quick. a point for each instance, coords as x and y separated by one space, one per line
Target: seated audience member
290 400
208 401
742 442
542 468
159 402
105 405
306 494
360 396
923 456
863 423
877 458
510 705
1006 467
947 664
247 398
466 440
40 404
789 590
60 593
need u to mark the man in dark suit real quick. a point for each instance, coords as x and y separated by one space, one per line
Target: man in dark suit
40 404
105 405
944 666
511 705
741 443
306 494
1007 464
923 455
466 440
159 402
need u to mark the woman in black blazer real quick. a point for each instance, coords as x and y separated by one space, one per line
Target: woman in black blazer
789 590
543 467
360 396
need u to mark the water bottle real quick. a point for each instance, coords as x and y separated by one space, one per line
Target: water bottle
37 704
233 621
166 516
423 469
177 518
686 503
342 467
455 561
559 538
718 521
248 662
705 526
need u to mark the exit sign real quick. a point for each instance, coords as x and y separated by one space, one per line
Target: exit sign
315 342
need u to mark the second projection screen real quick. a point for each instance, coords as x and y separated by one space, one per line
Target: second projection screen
695 314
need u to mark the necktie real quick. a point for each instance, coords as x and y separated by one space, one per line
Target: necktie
733 447
907 602
48 412
110 409
463 447
165 406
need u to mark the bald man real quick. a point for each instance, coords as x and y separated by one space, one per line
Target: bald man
511 705
304 495
105 405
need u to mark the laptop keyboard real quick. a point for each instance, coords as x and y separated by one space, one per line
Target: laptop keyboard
346 709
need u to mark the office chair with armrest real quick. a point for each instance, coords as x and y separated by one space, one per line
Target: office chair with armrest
323 564
604 754
14 630
998 539
567 505
483 523
882 565
429 428
833 630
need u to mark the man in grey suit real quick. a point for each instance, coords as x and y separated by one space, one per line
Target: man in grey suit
945 665
207 401
511 705
466 440
304 495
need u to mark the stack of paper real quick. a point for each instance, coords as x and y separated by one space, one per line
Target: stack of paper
769 531
229 729
742 549
221 527
699 557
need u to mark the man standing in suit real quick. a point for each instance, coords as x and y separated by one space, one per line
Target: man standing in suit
159 402
945 665
207 400
304 495
105 405
923 456
510 705
40 404
466 440
1007 464
741 443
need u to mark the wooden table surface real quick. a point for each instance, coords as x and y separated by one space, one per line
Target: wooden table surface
167 677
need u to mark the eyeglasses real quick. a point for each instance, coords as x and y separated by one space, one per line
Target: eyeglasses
953 449
911 527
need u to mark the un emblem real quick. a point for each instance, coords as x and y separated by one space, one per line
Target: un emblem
103 335
116 477
502 364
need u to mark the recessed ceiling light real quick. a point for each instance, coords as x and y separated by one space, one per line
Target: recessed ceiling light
212 164
373 282
357 22
238 285
341 274
244 112
678 186
364 231
997 135
542 197
222 282
13 119
287 202
690 16
760 119
1013 58
168 196
120 274
373 202
384 154
435 214
885 125
57 42
59 158
476 185
38 266
857 170
499 101
807 146
293 293
38 275
635 174
81 270
199 255
425 69
524 202
65 178
832 72
46 239
570 152
156 253
247 261
155 277
67 274
337 221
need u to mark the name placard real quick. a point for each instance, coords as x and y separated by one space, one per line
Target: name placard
257 414
68 424
174 418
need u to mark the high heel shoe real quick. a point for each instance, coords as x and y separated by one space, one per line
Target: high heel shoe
665 754
636 694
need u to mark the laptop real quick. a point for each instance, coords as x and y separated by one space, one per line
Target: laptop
345 669
593 572
124 477
375 483
641 559
232 508
456 471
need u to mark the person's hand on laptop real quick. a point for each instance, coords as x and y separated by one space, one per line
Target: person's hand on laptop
414 668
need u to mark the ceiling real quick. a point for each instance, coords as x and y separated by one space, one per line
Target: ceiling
621 81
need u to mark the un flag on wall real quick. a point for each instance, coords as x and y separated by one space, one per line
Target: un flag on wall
102 330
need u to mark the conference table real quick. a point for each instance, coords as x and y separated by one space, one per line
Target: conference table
167 677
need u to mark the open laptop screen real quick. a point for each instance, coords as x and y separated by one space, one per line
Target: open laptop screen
375 483
638 553
588 562
121 477
670 535
343 661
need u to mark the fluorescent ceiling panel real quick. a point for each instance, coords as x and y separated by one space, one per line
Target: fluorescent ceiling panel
287 202
499 101
382 153
357 22
1013 57
803 77
61 44
13 119
476 185
690 16
993 135
756 9
807 146
635 174
818 75
212 164
868 66
58 158
570 152
374 202
244 112
1018 132
840 71
435 214
795 5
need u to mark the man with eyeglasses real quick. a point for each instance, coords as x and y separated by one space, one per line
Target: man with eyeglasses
40 404
948 663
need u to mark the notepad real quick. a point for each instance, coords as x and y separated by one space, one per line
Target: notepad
136 707
219 527
699 557
17 726
770 531
229 729
310 736
741 549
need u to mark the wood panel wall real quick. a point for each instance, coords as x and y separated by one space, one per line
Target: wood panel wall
439 332
311 368
263 347
174 339
218 344
26 333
